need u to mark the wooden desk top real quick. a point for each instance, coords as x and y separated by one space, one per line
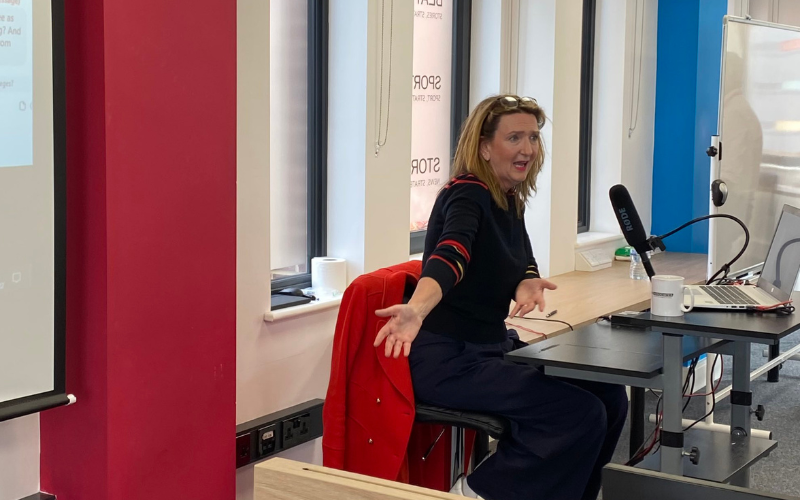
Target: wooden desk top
281 479
583 296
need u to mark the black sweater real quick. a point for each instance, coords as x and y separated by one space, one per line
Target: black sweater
478 253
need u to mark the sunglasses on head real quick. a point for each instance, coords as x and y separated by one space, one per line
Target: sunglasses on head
511 102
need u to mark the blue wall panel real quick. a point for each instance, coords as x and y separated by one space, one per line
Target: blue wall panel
687 90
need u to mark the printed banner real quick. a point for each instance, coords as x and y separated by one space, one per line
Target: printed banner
431 101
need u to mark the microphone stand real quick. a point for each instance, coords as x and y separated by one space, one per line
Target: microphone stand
648 266
654 242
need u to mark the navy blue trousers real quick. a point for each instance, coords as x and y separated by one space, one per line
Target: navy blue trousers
562 431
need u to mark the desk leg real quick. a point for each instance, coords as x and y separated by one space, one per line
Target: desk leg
637 419
741 400
774 351
672 429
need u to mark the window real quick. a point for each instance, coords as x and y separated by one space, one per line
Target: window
440 93
585 139
298 139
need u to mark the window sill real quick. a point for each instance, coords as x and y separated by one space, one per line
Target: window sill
593 239
293 312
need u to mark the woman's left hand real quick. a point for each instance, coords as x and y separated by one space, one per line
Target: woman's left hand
529 294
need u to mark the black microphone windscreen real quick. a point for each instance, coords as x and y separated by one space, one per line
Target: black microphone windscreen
628 218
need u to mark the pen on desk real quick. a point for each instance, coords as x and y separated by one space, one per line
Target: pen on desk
551 313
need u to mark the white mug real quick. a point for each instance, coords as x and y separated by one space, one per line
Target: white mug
667 296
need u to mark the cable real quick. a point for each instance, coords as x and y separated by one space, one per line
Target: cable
527 329
652 438
547 319
713 399
690 374
379 143
780 308
715 386
635 117
655 444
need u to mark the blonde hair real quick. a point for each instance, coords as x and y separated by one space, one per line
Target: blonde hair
481 125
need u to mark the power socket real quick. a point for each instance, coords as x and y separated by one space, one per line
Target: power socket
295 430
267 440
274 433
242 450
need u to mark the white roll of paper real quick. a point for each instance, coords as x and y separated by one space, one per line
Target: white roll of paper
328 274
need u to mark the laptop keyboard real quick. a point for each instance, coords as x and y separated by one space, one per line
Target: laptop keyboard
729 295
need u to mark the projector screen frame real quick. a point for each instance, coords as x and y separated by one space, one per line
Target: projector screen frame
57 397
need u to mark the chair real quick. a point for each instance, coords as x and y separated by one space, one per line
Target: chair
485 425
359 373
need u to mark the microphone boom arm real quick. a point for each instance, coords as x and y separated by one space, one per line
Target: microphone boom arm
655 242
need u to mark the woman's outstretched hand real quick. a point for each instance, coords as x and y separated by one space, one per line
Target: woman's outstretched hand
401 329
529 295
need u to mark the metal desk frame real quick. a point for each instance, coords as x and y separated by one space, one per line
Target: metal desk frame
721 333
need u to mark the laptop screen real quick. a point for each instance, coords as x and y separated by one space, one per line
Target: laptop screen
783 259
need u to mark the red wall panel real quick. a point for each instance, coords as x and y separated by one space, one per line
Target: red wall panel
152 282
74 445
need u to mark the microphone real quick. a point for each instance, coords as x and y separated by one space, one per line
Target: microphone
631 224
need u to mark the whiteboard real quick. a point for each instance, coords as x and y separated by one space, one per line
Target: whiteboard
759 129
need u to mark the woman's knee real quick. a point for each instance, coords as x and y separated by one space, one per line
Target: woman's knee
614 399
616 405
595 421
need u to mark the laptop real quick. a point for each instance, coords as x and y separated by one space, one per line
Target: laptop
776 282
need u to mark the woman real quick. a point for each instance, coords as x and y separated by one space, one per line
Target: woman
478 258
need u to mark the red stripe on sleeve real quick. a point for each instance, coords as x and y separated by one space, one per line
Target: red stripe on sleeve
458 277
458 246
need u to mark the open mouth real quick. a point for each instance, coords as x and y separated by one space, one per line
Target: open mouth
520 166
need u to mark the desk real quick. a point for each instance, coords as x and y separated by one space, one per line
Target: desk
583 296
742 329
608 353
281 479
613 354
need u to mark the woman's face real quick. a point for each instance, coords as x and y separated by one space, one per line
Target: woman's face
513 148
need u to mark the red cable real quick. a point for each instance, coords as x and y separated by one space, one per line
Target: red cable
715 386
527 329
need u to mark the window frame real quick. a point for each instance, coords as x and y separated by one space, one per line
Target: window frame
317 143
459 101
587 104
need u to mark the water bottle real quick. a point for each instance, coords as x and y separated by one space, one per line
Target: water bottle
637 268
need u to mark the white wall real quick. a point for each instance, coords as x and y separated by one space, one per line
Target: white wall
281 364
536 80
566 127
347 131
368 195
549 69
624 108
485 42
287 362
773 10
19 457
637 150
609 103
